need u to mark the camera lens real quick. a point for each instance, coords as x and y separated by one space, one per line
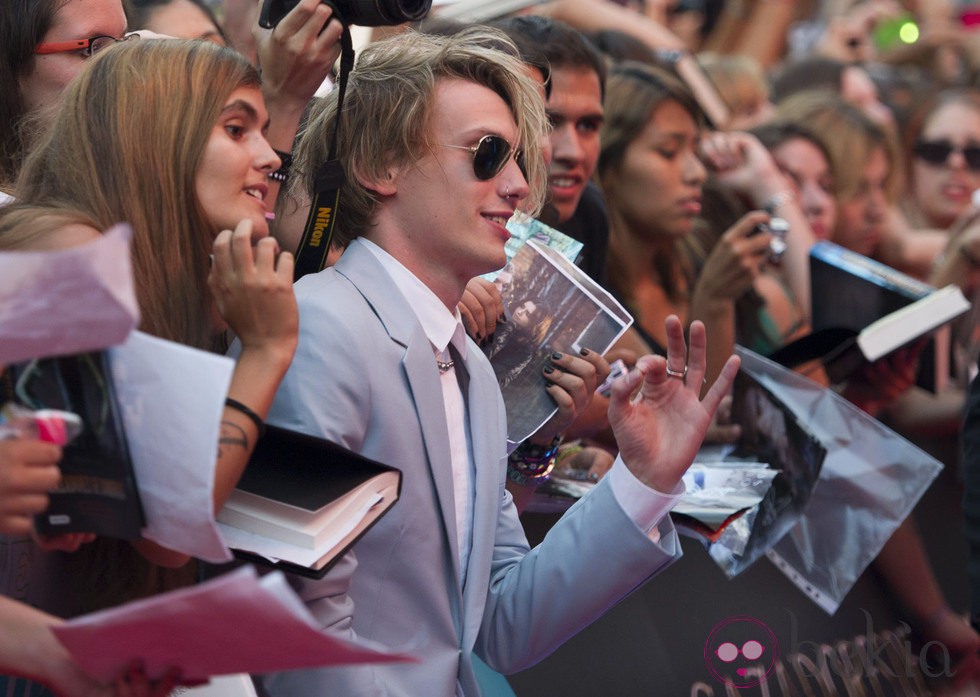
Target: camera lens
377 13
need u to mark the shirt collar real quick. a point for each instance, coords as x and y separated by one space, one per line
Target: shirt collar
439 324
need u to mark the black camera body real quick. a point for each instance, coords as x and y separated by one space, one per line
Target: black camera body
364 13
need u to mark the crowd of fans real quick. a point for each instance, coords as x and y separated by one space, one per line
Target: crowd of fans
853 121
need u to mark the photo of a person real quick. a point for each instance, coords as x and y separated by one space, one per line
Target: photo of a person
546 312
520 340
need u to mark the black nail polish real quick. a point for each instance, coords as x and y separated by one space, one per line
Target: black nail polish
585 352
548 370
556 356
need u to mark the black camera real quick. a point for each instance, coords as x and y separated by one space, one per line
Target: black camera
365 13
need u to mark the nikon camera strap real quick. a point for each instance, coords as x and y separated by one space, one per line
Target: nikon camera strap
311 255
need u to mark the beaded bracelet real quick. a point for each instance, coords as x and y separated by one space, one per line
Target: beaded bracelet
238 406
531 462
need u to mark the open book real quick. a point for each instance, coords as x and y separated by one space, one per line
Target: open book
863 310
551 305
303 501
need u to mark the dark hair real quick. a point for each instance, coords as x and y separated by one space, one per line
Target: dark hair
775 133
530 51
618 46
23 23
968 96
138 13
560 44
814 72
639 89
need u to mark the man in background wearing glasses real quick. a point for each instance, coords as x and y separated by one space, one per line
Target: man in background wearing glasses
439 141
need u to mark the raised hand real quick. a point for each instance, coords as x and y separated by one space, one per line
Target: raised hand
572 382
738 257
660 429
298 54
253 291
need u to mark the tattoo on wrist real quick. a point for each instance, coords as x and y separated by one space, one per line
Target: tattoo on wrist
231 434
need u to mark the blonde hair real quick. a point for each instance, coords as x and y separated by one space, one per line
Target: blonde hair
389 101
739 79
125 145
848 136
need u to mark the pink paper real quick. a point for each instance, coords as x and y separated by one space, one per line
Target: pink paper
66 301
235 623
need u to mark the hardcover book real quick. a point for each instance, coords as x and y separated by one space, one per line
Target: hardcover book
863 310
98 491
304 501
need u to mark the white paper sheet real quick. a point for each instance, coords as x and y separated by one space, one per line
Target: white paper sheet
235 623
66 301
238 685
172 397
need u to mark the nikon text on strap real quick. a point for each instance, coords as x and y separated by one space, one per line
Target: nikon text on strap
311 255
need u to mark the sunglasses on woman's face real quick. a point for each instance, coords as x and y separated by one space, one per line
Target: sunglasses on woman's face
937 152
490 155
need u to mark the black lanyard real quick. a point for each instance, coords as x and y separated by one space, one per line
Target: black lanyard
311 255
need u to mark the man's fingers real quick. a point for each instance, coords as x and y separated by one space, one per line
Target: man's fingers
722 385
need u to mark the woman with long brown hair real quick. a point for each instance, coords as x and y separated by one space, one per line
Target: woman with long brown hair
169 137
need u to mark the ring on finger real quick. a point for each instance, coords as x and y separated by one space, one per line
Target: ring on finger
679 374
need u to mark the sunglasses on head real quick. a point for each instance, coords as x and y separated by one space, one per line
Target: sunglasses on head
937 152
490 155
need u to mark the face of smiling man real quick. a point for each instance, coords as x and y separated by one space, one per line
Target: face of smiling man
575 112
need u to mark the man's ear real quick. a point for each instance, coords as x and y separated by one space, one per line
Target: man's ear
384 183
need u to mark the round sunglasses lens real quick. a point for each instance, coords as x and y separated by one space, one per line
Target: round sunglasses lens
491 154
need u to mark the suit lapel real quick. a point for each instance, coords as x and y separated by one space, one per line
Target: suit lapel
488 446
363 269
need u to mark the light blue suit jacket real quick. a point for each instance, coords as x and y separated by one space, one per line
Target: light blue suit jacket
364 376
